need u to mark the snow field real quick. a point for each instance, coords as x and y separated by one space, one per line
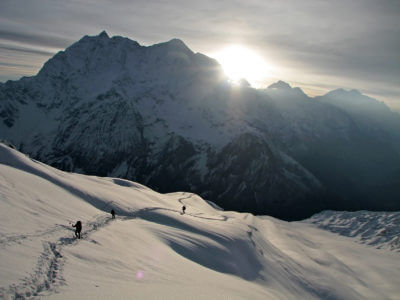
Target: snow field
153 251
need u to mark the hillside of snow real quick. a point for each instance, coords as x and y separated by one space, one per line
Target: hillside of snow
152 250
379 229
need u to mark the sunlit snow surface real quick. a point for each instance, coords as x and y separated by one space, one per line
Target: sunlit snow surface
153 251
379 229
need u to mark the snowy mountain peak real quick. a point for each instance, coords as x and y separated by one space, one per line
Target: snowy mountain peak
283 90
103 34
174 44
281 85
354 97
354 91
243 82
177 42
345 93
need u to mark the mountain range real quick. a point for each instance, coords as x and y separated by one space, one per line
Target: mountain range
169 118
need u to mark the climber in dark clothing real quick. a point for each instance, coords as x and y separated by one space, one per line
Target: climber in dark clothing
78 229
113 214
183 209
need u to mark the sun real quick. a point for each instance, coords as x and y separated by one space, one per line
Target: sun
240 62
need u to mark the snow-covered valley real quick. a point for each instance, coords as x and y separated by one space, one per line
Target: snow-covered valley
153 251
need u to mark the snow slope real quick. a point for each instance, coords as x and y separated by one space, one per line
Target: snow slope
379 229
152 251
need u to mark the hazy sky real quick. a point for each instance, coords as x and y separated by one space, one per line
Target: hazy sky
317 45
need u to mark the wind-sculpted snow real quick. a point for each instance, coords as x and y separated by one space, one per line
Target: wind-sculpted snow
378 229
154 250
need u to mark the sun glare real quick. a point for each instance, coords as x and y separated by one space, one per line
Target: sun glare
240 62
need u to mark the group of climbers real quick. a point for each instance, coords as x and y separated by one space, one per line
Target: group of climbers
78 224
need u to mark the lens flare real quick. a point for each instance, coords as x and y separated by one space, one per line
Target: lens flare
140 275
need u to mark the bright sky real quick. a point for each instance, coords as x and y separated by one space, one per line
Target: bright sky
316 45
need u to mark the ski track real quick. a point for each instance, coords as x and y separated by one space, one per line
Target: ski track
47 274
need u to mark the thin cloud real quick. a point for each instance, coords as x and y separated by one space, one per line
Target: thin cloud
35 39
14 65
28 50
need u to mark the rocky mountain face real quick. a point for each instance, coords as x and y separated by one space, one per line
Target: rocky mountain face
167 117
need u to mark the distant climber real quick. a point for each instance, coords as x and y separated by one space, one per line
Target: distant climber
78 229
113 214
183 209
